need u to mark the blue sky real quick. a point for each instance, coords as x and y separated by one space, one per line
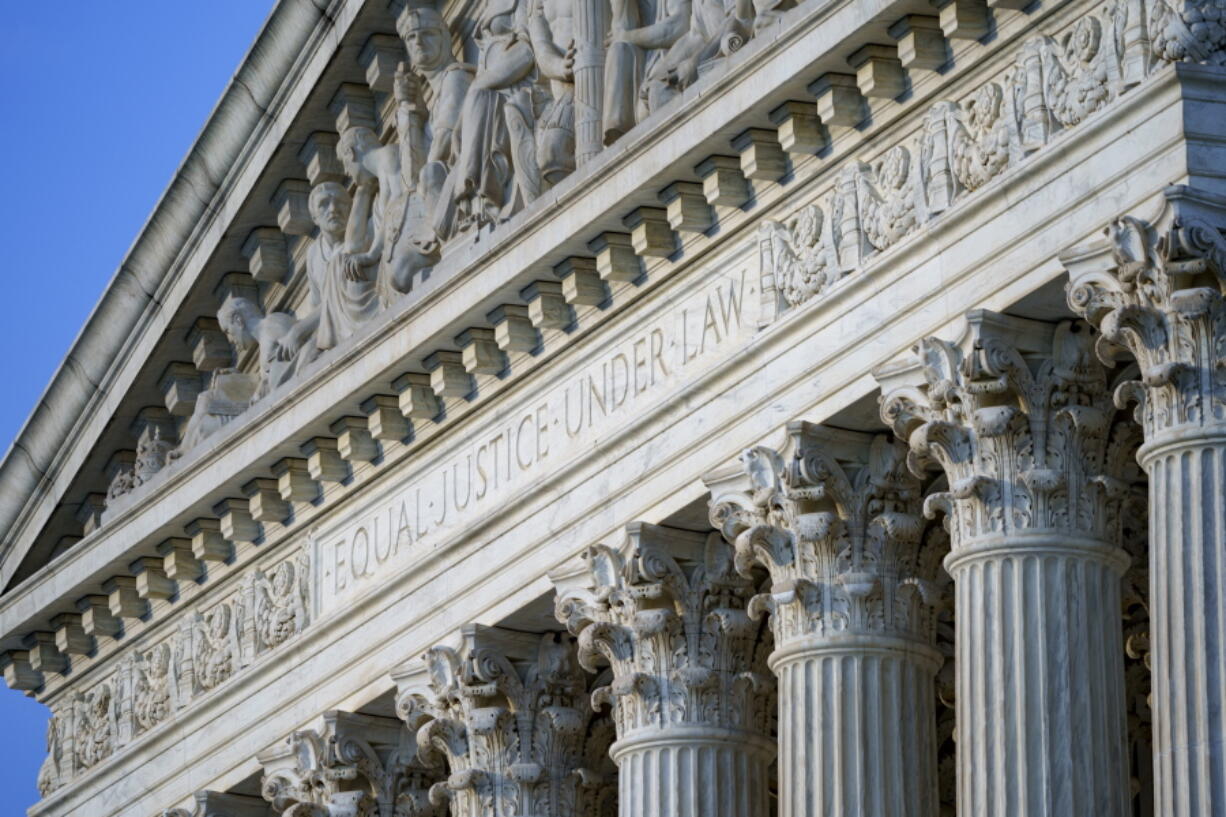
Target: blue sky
101 102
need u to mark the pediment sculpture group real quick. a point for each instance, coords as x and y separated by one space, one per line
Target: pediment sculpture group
552 83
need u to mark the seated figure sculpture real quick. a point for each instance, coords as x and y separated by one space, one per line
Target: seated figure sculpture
687 34
231 391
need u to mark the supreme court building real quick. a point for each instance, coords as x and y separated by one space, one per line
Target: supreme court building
653 408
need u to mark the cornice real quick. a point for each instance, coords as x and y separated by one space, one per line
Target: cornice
184 223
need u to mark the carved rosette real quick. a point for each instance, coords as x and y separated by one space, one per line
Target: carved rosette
508 716
357 766
690 686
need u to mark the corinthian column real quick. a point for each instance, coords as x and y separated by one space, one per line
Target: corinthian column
835 519
508 716
1019 418
690 694
1156 290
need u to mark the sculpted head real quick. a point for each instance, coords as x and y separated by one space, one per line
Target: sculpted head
239 318
353 146
425 36
329 204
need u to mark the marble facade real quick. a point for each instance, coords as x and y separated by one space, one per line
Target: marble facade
547 408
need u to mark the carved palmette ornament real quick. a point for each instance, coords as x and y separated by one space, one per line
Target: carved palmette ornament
843 541
515 732
676 633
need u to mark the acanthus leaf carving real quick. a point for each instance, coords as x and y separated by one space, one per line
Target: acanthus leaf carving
842 539
675 632
1023 435
1155 289
507 715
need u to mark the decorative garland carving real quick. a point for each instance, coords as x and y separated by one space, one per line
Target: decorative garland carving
211 646
1055 84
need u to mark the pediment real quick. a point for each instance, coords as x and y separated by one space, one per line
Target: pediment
213 320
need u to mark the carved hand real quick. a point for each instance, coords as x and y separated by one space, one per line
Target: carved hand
406 87
354 269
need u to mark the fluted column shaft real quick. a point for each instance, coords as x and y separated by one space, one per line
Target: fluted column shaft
698 772
857 729
1041 726
1020 419
1187 494
1157 288
835 519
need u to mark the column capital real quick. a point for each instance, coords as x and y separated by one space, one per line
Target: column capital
835 518
352 764
1155 288
668 613
1018 416
508 714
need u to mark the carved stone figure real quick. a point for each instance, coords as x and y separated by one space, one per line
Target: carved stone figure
281 602
216 648
686 36
387 229
96 725
429 145
342 287
497 172
49 772
153 686
551 25
231 391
